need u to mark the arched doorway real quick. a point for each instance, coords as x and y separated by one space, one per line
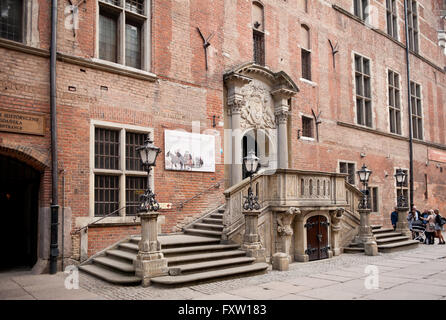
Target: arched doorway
317 238
258 140
19 189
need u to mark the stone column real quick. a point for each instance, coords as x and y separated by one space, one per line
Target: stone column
251 240
336 216
281 111
235 101
150 261
402 224
299 240
365 236
285 230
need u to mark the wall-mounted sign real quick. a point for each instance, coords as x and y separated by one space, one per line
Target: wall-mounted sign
435 155
22 122
186 151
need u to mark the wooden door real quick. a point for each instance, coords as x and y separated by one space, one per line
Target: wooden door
317 238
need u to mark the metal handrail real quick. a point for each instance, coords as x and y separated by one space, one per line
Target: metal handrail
102 218
215 186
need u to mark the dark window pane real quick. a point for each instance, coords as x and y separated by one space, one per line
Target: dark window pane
259 47
106 149
132 159
306 64
11 19
108 37
135 6
134 187
106 195
307 127
133 45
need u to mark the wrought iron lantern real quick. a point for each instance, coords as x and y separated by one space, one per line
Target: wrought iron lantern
364 175
251 162
400 177
148 154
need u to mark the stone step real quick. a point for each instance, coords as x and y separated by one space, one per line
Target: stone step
115 264
398 246
376 226
353 250
129 246
382 230
192 258
217 216
121 254
203 232
391 239
191 249
181 240
191 267
110 276
209 275
221 210
387 235
208 226
213 220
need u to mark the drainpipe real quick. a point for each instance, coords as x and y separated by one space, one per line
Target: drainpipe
409 109
54 250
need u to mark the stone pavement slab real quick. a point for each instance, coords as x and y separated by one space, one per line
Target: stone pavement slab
357 287
295 297
331 293
423 288
258 293
284 286
393 294
221 296
311 282
331 277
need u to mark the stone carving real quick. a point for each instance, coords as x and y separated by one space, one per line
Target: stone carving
336 216
256 112
284 228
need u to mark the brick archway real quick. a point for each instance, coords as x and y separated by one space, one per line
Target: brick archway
25 154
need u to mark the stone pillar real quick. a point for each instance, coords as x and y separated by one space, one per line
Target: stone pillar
281 95
236 101
251 240
237 161
299 240
402 224
336 216
365 236
150 261
285 230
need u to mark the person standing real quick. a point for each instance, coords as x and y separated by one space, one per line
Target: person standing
438 227
430 227
394 218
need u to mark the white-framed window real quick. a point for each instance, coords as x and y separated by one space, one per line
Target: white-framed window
360 9
417 110
363 90
412 21
392 18
258 32
123 32
18 22
372 199
305 52
117 177
350 169
394 101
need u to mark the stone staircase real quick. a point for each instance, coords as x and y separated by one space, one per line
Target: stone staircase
193 256
387 241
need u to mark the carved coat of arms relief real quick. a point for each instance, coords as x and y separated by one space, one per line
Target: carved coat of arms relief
257 111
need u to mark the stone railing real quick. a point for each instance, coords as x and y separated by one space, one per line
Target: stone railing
285 188
351 219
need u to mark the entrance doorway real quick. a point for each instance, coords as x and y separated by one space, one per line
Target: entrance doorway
317 238
259 141
19 189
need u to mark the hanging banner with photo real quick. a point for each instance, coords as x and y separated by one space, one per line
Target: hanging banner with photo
185 151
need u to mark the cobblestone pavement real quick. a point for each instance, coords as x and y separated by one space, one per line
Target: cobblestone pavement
416 274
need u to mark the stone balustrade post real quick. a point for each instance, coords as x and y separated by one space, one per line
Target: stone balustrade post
150 261
251 240
402 224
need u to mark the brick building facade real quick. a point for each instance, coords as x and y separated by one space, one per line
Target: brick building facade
339 54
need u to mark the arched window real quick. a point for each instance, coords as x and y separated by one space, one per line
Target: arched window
258 33
305 45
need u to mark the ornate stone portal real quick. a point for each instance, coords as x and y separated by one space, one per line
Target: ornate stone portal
257 98
285 228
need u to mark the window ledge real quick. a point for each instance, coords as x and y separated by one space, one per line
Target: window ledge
107 66
306 138
311 83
